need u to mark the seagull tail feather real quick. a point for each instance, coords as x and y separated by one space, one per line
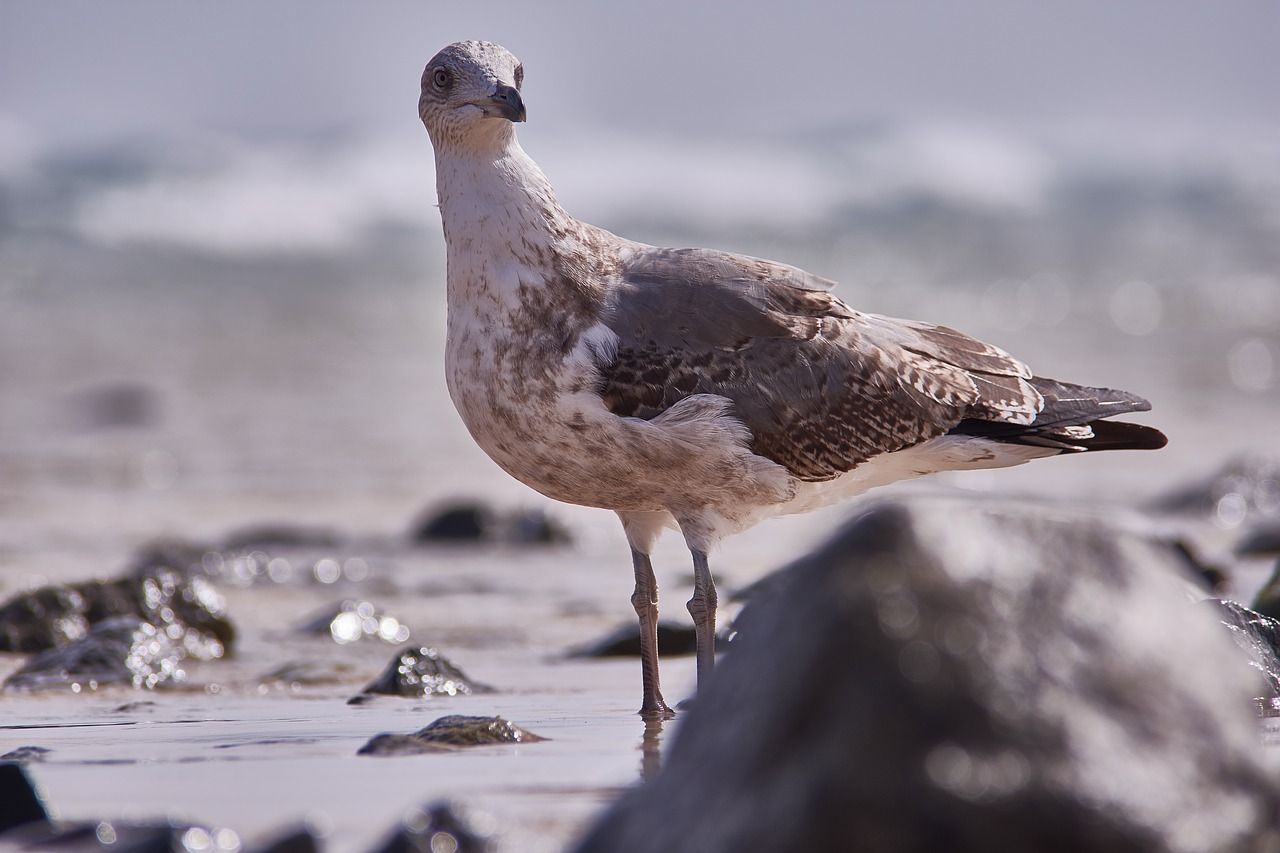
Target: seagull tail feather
1072 421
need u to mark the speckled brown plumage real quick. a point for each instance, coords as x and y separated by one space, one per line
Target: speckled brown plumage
821 387
692 387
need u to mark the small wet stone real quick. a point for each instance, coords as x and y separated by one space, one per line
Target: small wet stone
435 829
674 640
420 671
26 754
476 523
123 650
454 731
55 616
354 620
134 707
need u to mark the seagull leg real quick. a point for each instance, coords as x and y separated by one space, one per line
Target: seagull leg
702 607
645 601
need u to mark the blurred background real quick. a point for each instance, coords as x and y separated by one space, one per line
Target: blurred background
221 268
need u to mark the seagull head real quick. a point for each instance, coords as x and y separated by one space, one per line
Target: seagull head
469 86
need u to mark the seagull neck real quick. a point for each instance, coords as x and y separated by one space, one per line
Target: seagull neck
483 187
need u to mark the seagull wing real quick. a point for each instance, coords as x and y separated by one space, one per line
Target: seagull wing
821 387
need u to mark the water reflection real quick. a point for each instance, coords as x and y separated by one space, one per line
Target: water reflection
651 749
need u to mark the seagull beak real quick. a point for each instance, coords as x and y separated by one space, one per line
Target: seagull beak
507 103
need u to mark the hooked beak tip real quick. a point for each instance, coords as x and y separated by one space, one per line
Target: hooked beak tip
509 104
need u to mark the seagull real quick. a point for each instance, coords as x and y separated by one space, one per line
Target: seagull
690 388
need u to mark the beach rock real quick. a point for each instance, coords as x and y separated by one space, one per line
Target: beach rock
465 523
1261 540
1258 636
43 618
1267 600
123 650
1245 489
354 620
435 829
419 671
949 676
26 754
477 523
142 705
20 802
454 731
183 605
674 639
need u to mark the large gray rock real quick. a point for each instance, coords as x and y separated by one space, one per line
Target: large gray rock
945 676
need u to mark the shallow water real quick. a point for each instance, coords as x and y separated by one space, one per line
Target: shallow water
258 755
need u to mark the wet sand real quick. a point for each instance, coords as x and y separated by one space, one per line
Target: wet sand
237 748
259 755
314 397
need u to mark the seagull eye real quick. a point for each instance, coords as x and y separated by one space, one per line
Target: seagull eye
519 76
441 78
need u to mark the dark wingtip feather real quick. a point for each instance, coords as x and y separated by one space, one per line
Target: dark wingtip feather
1068 410
1107 435
1120 435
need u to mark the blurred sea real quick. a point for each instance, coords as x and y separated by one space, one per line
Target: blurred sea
194 334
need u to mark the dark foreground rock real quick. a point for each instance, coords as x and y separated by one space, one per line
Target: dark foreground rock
435 829
20 803
185 606
25 824
942 676
448 733
420 671
1258 636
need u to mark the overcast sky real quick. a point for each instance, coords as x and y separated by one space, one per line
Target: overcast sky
84 70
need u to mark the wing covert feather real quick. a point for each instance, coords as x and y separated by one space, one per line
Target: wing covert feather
821 387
